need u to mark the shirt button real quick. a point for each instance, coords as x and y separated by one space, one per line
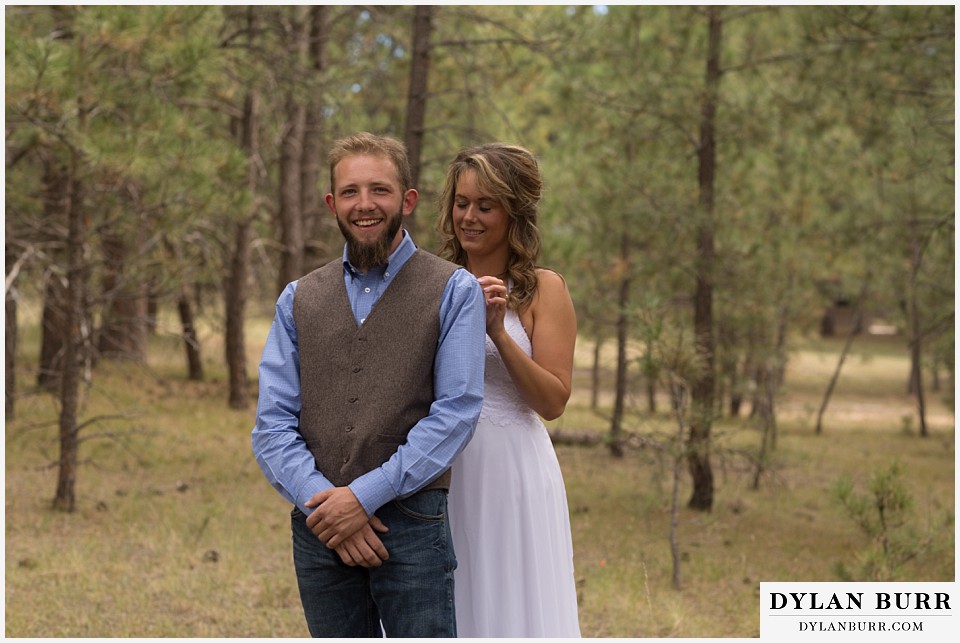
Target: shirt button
366 290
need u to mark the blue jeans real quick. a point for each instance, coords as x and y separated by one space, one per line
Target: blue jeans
411 594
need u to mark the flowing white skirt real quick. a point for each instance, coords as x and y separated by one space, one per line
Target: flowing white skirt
511 527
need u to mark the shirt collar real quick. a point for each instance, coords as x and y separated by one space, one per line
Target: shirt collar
396 260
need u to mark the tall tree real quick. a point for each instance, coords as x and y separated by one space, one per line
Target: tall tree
237 273
417 91
290 210
311 179
702 391
65 498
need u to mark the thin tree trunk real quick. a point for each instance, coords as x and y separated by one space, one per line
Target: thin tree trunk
10 332
65 498
650 372
780 357
191 343
291 216
236 282
235 295
916 331
678 395
595 373
311 190
56 187
698 452
623 324
768 422
291 157
417 93
855 328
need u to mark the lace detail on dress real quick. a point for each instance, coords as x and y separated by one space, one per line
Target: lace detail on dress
502 403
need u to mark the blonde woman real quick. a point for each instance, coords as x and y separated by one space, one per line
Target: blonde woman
508 506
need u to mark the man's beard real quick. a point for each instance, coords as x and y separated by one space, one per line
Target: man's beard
364 256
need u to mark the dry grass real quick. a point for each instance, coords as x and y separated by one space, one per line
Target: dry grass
177 533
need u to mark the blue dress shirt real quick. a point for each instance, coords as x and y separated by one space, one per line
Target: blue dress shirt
432 444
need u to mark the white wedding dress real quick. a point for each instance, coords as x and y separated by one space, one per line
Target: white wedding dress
509 518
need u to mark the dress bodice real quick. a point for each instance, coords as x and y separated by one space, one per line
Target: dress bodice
502 404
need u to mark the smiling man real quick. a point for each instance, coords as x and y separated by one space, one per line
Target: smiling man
371 383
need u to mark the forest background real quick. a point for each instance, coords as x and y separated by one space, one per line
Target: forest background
733 194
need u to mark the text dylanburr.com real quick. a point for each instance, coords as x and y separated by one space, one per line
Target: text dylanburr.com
862 611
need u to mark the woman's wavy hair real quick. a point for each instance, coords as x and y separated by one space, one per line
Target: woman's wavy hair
510 174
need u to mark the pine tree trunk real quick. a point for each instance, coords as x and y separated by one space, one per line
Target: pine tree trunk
191 343
698 453
847 345
53 328
235 294
916 332
291 156
417 93
10 334
65 498
623 325
311 175
595 373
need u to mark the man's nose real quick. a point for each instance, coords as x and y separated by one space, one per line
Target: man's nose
365 202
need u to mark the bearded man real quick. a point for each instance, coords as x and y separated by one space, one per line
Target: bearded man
371 383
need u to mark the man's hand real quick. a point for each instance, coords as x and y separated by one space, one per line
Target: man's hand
364 548
338 515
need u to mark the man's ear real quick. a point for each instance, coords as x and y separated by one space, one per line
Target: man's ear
330 203
410 198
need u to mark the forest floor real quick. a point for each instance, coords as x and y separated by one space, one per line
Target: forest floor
177 534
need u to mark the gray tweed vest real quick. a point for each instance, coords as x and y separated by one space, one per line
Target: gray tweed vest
364 387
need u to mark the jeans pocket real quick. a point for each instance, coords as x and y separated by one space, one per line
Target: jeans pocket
430 505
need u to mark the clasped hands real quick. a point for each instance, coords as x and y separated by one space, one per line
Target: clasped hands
341 523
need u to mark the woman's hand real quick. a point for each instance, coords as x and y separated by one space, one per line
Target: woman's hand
495 295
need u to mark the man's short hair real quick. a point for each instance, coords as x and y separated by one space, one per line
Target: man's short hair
367 144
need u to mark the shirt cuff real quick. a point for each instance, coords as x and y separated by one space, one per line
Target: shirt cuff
373 490
313 485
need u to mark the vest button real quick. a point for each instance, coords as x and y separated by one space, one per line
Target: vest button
349 429
356 369
352 400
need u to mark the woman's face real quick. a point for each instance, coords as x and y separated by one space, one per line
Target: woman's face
479 221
